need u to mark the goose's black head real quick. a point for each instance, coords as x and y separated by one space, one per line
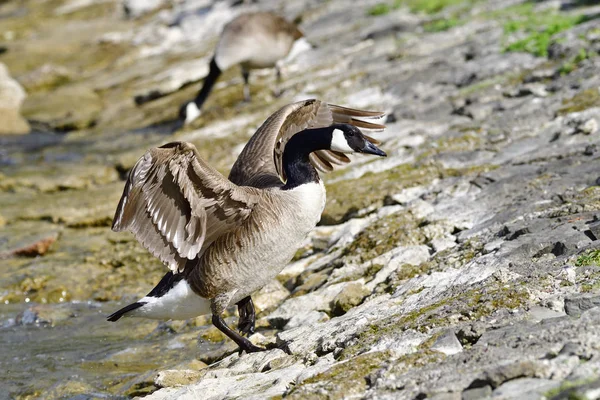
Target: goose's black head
347 138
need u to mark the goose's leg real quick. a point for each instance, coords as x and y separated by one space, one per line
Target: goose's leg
246 76
247 320
245 344
218 305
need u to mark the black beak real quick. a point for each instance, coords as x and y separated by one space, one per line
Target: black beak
370 148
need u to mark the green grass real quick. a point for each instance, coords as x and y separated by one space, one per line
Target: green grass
591 257
415 6
572 64
538 26
430 6
440 25
379 9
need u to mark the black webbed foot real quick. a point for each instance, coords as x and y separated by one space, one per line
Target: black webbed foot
251 348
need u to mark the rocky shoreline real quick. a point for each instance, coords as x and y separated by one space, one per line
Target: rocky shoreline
466 265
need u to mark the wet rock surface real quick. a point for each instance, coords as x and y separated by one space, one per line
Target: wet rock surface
465 265
11 99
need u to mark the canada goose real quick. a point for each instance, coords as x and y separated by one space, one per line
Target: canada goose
224 239
253 40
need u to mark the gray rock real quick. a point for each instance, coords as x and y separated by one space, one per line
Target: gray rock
176 377
350 296
443 243
589 127
250 386
46 76
408 195
595 228
478 393
413 255
446 396
524 388
576 305
270 296
447 343
538 313
503 373
72 107
137 8
305 319
321 300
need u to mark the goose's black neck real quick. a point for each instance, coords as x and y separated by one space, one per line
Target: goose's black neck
296 163
209 82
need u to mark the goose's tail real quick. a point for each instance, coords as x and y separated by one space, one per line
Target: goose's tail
118 314
172 298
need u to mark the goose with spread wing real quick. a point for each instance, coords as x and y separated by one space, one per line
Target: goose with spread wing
223 239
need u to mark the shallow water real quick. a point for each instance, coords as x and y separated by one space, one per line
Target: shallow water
102 358
62 346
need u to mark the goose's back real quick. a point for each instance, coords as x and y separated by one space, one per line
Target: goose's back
255 40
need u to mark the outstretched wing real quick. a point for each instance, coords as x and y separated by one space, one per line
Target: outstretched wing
176 205
260 162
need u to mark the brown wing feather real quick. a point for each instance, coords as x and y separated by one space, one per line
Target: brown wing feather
176 205
260 163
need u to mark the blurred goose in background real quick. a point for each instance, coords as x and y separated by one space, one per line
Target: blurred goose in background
223 239
253 40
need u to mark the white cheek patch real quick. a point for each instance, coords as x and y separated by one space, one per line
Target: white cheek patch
339 142
191 112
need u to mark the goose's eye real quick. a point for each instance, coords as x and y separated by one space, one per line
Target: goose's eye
350 133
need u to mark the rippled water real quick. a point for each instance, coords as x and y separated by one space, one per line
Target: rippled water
84 349
66 349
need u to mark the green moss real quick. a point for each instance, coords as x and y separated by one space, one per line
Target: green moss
442 24
415 360
470 249
572 64
342 380
469 141
508 79
430 6
472 304
379 9
301 253
373 270
416 6
538 26
372 188
487 302
398 229
408 271
590 257
570 388
583 100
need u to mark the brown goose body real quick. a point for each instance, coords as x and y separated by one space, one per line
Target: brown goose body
223 238
254 40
